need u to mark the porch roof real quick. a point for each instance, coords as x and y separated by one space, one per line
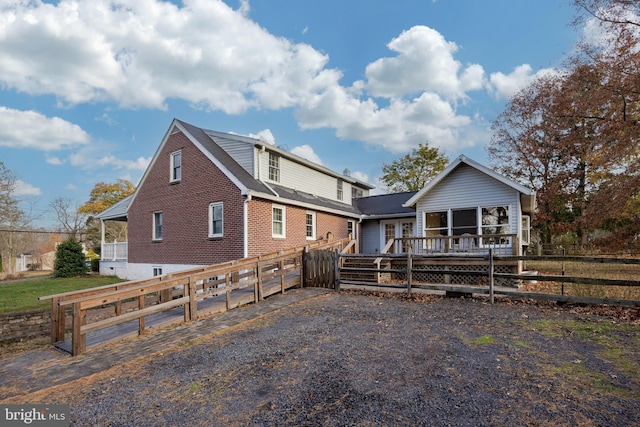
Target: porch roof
385 205
117 211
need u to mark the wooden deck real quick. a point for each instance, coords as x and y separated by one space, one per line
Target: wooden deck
206 307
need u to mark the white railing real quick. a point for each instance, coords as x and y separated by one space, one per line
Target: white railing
114 251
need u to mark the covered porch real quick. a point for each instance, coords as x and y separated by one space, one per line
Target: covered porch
113 241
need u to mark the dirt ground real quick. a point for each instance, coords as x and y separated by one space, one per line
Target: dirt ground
363 359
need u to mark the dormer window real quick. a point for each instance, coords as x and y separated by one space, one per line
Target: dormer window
176 166
274 167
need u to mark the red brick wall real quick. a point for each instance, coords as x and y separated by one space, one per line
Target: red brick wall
185 210
184 206
260 237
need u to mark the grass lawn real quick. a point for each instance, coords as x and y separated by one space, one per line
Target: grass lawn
22 295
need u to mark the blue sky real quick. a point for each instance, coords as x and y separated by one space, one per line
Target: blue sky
88 89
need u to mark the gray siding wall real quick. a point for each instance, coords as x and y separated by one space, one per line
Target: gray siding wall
370 237
466 187
242 152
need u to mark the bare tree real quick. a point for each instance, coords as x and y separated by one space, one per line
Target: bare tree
575 137
12 220
69 217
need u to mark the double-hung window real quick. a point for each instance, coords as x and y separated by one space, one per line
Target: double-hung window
157 226
176 166
495 221
437 223
278 221
274 167
340 192
216 220
311 225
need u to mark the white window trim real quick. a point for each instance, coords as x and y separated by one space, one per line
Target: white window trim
313 225
171 166
153 229
275 177
340 190
211 209
446 229
284 222
353 228
481 227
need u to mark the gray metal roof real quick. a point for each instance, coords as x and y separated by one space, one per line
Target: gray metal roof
117 211
301 197
232 166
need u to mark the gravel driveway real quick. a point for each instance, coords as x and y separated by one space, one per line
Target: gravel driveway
368 360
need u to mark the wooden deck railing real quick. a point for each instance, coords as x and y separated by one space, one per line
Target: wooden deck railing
472 244
257 277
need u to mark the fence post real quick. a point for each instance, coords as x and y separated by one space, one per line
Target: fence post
409 268
57 317
305 260
562 253
491 275
141 318
260 292
78 340
336 271
193 307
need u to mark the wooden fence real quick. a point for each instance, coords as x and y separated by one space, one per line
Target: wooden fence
406 271
236 283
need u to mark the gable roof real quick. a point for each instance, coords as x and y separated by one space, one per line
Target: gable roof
527 196
205 141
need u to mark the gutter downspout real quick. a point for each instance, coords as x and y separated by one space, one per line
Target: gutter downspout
245 220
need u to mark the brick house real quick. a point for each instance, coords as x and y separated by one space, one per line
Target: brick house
209 197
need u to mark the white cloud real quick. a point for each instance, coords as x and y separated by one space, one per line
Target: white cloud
306 152
30 129
425 62
505 86
24 189
139 164
52 160
360 176
397 128
92 158
265 135
140 53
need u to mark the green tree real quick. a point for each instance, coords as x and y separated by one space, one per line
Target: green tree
412 171
70 260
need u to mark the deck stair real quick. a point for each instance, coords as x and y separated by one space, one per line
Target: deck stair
353 269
